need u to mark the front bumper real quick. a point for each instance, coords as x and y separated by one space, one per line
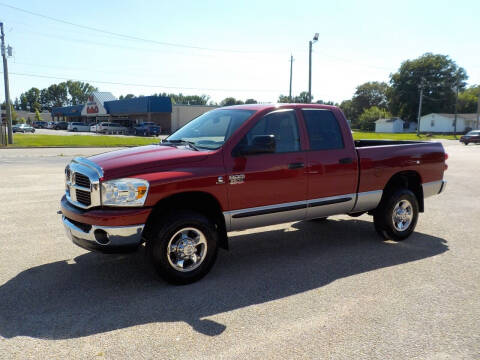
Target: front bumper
107 239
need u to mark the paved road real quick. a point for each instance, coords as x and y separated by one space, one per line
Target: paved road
301 290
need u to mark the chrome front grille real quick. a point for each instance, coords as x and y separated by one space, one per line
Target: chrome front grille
81 180
83 183
83 197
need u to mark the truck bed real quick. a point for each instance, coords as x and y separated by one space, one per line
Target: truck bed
379 160
365 143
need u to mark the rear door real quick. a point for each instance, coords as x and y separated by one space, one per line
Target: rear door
271 188
332 166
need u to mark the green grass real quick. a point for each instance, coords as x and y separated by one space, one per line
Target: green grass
357 135
34 140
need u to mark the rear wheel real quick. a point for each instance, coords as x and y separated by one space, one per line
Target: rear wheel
396 216
466 143
183 247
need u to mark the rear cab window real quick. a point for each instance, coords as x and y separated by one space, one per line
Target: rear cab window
323 130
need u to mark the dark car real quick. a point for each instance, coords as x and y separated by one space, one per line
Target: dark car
62 125
40 124
471 137
23 128
148 129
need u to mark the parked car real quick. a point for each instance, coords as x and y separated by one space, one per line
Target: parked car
242 167
39 124
471 137
78 126
23 128
62 125
109 128
148 129
51 124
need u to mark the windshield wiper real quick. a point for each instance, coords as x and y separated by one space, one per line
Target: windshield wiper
191 144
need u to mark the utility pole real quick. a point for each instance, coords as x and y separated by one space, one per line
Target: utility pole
420 107
310 43
310 71
7 90
455 119
478 112
291 68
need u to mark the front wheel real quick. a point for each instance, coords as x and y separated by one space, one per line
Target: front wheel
183 247
397 215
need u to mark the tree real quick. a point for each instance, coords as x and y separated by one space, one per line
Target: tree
321 102
347 108
78 92
438 74
30 100
369 94
251 101
37 115
302 98
468 100
128 96
56 95
230 101
369 116
284 99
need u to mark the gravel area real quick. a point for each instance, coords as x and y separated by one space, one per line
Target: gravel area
329 290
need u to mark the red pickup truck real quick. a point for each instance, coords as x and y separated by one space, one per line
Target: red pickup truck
242 167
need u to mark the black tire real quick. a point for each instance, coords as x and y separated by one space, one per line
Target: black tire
74 130
164 231
466 143
383 215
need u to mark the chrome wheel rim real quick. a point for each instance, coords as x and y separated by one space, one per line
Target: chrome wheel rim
402 215
187 249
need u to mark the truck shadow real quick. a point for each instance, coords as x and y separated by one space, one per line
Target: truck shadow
97 293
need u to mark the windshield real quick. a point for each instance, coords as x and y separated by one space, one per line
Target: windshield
212 129
472 133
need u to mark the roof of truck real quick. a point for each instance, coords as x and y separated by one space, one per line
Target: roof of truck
258 107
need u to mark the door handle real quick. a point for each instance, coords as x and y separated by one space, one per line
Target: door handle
346 160
297 165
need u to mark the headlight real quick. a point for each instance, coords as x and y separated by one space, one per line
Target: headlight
124 192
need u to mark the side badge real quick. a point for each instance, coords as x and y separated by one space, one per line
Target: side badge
220 180
236 179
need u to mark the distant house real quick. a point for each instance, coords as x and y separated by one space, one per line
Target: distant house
445 123
392 125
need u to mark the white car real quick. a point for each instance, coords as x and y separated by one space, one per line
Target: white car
51 125
109 128
78 126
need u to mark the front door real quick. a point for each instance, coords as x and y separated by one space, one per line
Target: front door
268 188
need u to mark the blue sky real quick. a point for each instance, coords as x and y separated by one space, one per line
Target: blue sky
247 44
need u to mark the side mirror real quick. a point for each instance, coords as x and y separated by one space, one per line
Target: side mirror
261 144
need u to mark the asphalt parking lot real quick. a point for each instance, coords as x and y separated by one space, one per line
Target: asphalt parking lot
327 290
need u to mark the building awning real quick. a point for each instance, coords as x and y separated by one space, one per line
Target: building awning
71 111
140 105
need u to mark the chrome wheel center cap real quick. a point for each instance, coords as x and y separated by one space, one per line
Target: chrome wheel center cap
189 249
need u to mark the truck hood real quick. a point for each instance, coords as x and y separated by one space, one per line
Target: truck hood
139 160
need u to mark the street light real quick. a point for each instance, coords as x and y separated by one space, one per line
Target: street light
310 43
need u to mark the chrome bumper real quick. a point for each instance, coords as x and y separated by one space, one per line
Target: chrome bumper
104 238
433 188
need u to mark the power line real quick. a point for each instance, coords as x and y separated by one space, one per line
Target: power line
125 36
141 85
